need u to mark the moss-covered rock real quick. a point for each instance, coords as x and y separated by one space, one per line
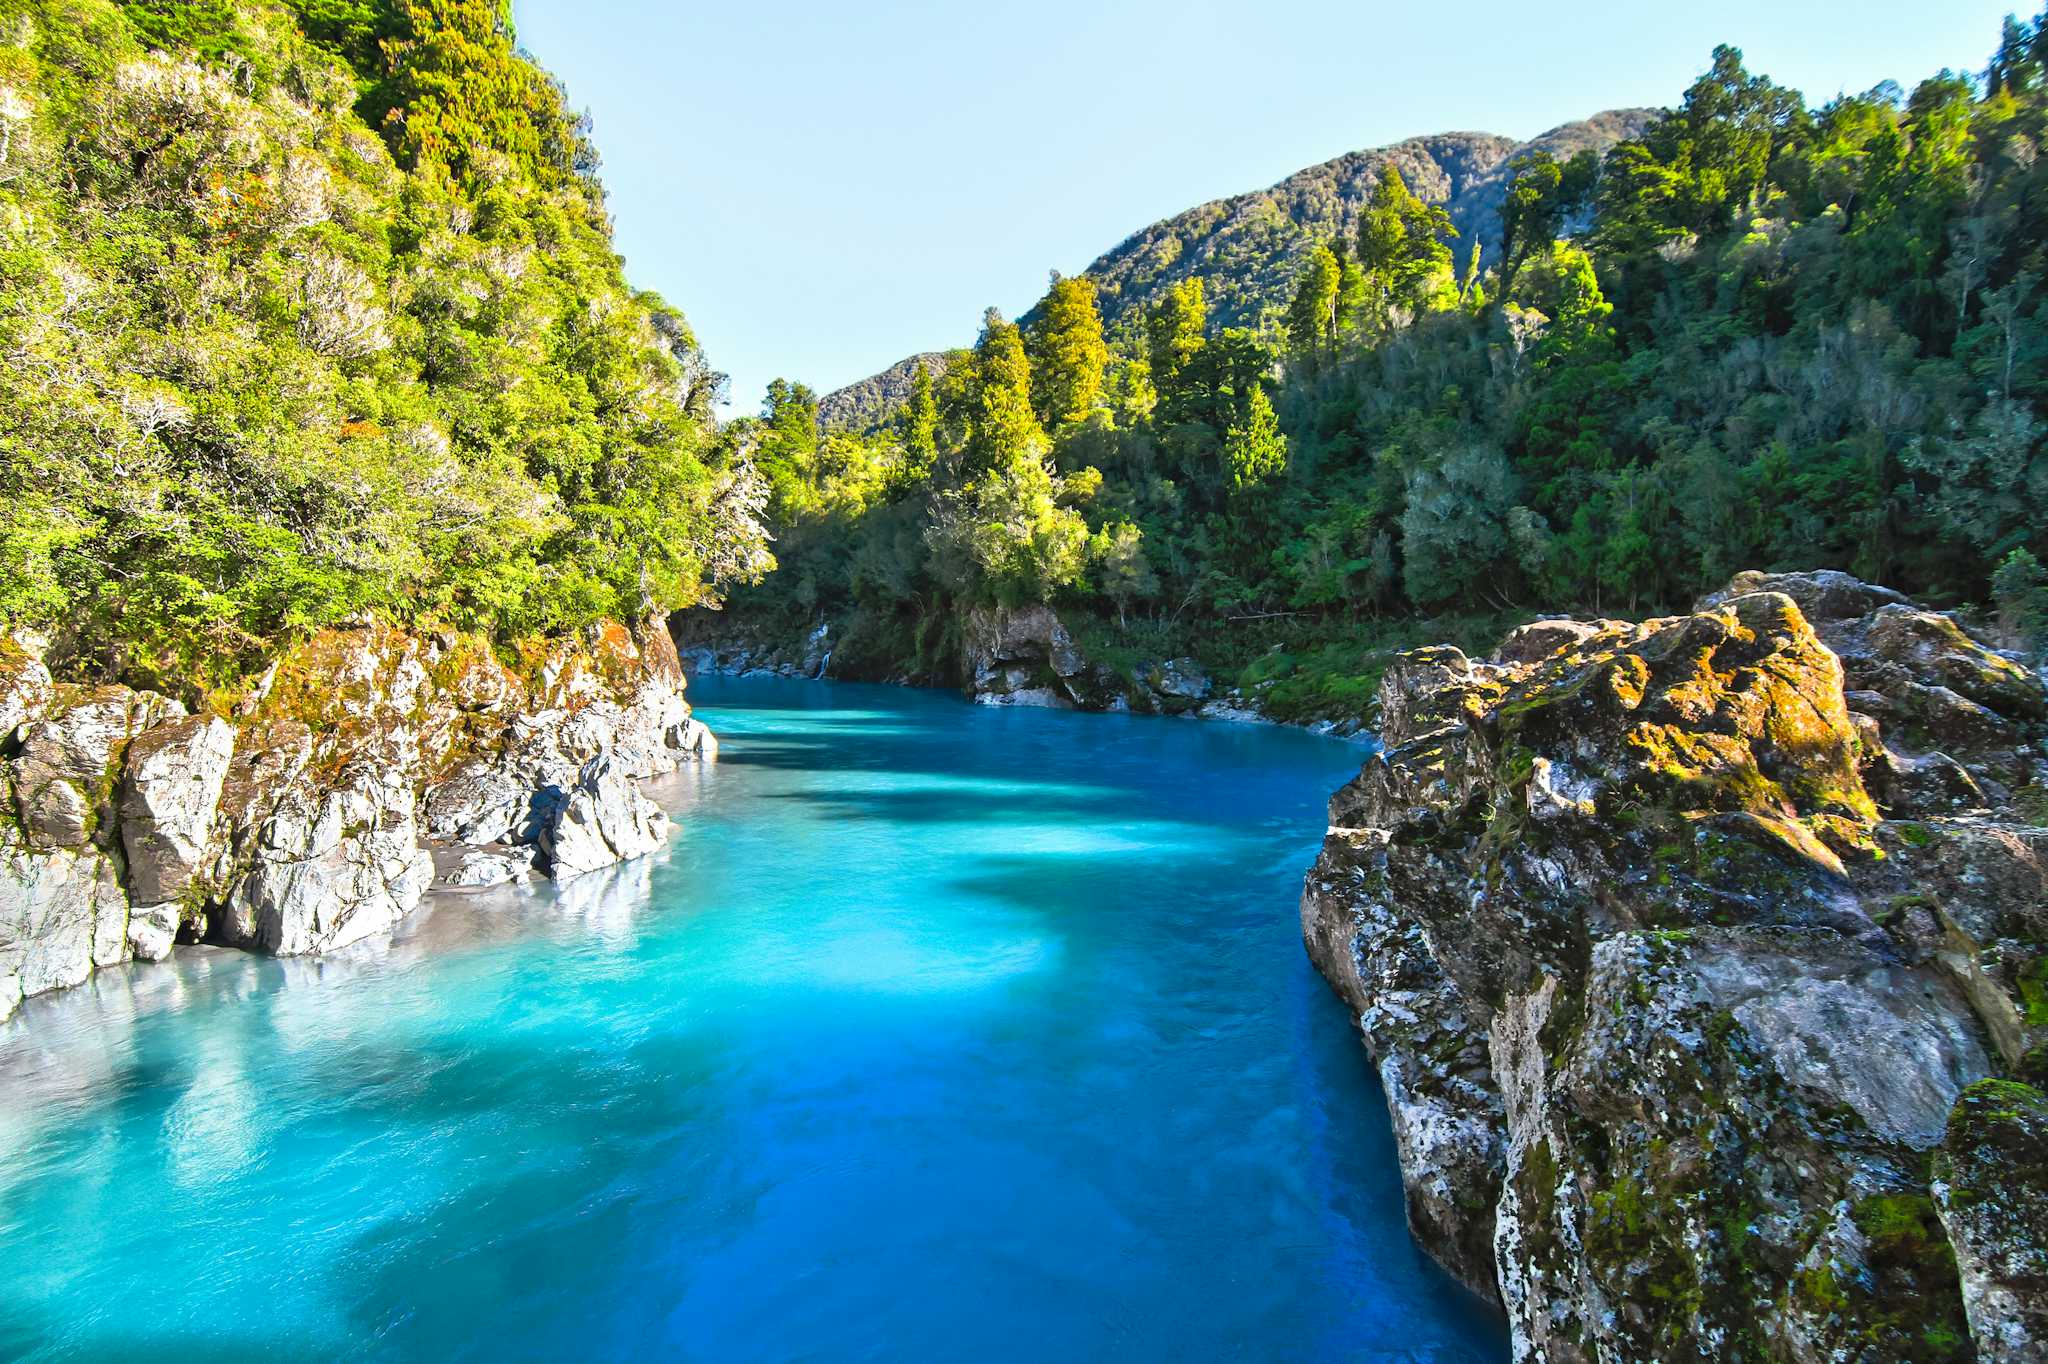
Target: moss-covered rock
1991 1186
1678 1014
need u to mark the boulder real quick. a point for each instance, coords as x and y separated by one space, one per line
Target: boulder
153 930
1669 1016
70 759
272 756
25 687
62 912
1823 596
1234 708
479 868
1542 639
1014 693
603 820
169 792
1181 683
694 740
1019 649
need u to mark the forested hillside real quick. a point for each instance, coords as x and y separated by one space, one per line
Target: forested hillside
1757 334
309 307
867 405
1248 248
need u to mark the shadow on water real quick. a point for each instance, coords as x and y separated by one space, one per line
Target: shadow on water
935 805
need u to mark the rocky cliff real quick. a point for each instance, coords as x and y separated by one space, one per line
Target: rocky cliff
1704 962
299 817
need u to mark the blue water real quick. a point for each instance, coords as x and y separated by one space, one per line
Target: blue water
937 1033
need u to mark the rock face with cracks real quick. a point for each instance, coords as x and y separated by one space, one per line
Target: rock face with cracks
1687 990
298 818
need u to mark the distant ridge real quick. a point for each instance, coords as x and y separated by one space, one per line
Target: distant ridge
1248 248
863 406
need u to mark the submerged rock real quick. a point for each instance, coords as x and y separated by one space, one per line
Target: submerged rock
1670 1016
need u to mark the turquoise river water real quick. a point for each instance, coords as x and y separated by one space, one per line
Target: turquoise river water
938 1032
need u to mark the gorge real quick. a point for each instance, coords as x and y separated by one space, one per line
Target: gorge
463 893
940 1027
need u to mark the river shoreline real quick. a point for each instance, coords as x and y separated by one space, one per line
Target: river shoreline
316 806
754 661
880 1053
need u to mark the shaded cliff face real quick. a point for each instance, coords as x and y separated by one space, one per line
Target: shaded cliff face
302 821
998 656
1700 961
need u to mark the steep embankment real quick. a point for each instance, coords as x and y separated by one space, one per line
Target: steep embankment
1248 249
303 817
1702 963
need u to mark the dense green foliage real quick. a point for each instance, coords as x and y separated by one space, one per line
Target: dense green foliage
1758 335
310 308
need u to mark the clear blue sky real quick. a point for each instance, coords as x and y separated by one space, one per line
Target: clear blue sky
827 187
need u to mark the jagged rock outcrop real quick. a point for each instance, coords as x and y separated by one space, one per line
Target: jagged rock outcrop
302 823
334 864
170 793
62 910
622 696
604 819
61 915
170 790
1675 989
1025 656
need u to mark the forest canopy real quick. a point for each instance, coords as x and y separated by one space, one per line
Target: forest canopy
309 309
1760 334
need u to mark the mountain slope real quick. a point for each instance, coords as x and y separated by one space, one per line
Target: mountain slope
1248 248
311 309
